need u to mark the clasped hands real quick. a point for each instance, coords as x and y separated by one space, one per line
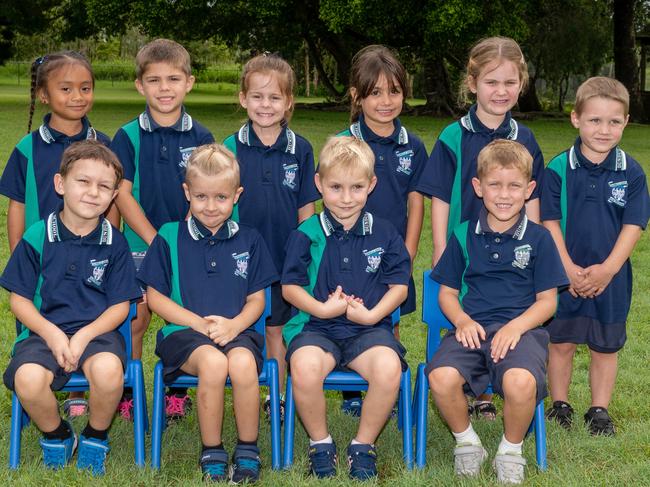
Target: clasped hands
589 282
339 303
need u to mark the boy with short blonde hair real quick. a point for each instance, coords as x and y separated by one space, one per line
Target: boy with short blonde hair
154 150
71 280
595 204
498 282
346 271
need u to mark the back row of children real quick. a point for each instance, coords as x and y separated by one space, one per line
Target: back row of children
344 269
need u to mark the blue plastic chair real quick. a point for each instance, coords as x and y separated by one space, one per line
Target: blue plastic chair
133 378
268 377
351 381
436 322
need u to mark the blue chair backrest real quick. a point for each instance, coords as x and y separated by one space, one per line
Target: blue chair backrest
432 314
260 324
125 329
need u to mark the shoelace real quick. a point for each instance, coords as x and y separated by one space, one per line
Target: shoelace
248 464
125 407
175 406
321 460
216 468
362 461
54 454
510 470
93 456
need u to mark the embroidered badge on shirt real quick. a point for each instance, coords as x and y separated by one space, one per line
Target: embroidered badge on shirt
99 266
522 256
374 258
290 171
404 161
618 192
185 155
242 264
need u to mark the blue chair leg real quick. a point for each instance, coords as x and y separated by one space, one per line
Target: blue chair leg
138 411
422 408
274 391
407 432
16 430
157 415
540 436
289 425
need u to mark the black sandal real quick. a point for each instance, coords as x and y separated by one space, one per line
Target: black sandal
485 410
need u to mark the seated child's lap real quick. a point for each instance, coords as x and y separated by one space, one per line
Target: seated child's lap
34 350
479 370
345 351
602 338
175 349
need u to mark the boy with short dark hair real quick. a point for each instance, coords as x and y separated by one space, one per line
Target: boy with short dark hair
498 283
154 150
346 271
71 280
595 204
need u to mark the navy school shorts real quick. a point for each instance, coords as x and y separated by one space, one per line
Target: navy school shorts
281 310
175 349
34 350
601 338
345 351
478 369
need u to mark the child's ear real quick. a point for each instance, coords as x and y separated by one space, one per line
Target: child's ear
530 188
58 184
242 99
41 94
186 190
238 193
476 183
471 84
190 83
318 182
373 183
575 119
138 86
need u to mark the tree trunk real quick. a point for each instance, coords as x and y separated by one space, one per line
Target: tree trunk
314 51
437 88
528 100
626 63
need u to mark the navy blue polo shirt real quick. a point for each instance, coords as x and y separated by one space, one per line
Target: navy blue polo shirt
216 273
499 274
159 171
457 148
28 176
278 180
72 280
592 203
364 261
400 160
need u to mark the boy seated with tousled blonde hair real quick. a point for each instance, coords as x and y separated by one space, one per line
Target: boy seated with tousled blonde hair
346 271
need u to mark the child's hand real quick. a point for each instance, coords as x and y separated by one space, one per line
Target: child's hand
78 344
220 330
470 334
597 278
576 276
358 313
504 340
335 305
58 342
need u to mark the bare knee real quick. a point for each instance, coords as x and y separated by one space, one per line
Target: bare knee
31 380
306 371
563 349
212 368
387 370
444 380
104 372
519 386
242 366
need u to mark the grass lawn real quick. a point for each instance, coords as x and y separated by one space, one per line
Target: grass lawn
574 457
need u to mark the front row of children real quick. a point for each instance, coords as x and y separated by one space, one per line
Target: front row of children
346 270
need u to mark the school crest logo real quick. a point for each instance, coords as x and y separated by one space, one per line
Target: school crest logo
185 155
619 189
99 266
374 259
241 261
522 256
290 172
404 161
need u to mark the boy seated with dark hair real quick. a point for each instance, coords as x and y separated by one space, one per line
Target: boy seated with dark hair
71 280
498 283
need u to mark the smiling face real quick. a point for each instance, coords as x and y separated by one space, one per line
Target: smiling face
164 88
211 198
265 102
504 191
382 105
601 124
497 89
345 193
69 93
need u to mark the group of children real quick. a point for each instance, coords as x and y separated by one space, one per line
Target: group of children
210 226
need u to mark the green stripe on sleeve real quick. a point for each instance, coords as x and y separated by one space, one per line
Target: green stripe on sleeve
32 212
132 130
452 136
169 232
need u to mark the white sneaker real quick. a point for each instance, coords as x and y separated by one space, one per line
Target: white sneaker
510 468
468 459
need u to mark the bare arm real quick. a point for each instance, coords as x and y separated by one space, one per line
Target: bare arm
306 211
532 210
574 272
468 332
301 299
358 313
113 215
171 312
414 223
222 330
439 221
15 223
133 214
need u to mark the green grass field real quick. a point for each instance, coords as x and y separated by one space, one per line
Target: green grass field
574 457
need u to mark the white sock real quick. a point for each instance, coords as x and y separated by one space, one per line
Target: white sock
467 437
328 439
506 447
357 442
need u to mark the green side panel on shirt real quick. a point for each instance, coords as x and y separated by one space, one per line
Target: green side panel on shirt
230 143
132 130
169 232
559 165
32 213
35 236
344 133
312 228
460 232
452 136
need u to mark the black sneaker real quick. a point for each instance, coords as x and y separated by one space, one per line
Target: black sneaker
362 460
245 465
322 460
214 464
562 412
267 409
599 423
